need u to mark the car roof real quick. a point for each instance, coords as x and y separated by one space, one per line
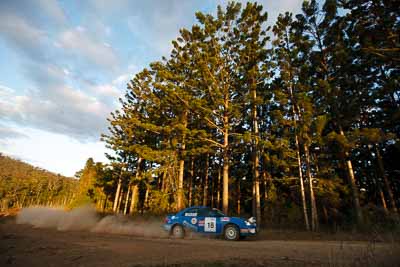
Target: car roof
193 207
197 207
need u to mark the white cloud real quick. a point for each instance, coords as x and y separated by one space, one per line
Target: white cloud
18 29
52 9
123 79
60 109
107 90
79 43
7 107
35 12
7 133
55 152
111 91
154 24
4 90
22 36
66 71
159 26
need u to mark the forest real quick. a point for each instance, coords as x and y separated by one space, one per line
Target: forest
297 124
23 185
294 122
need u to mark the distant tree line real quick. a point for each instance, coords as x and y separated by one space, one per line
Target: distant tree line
23 185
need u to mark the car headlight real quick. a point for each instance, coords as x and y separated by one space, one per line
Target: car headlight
252 220
247 223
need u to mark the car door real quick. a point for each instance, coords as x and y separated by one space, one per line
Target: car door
190 218
219 223
208 222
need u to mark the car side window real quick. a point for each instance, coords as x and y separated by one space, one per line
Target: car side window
204 212
214 213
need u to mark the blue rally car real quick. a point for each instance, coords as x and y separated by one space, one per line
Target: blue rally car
206 220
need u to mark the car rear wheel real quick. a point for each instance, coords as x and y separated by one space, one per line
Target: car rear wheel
178 231
231 233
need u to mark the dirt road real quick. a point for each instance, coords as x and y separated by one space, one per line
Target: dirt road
23 245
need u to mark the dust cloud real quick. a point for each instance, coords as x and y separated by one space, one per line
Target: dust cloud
86 219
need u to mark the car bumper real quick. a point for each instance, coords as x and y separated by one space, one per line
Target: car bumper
248 231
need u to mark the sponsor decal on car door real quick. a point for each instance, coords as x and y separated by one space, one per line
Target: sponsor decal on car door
210 224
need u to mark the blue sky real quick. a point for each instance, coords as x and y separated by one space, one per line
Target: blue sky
64 64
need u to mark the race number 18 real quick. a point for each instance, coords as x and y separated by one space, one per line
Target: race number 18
210 224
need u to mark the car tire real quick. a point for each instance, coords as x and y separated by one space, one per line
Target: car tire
231 233
178 232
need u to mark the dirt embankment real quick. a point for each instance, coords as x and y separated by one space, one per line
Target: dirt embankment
76 240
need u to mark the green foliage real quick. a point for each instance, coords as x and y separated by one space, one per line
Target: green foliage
23 185
160 202
86 192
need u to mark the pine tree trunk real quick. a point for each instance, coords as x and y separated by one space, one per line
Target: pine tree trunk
354 188
181 164
180 185
127 199
205 189
225 183
379 187
135 187
212 192
258 203
302 191
120 200
238 209
383 200
314 214
134 198
265 186
386 181
253 200
256 160
219 189
265 181
190 189
117 193
225 169
296 137
146 198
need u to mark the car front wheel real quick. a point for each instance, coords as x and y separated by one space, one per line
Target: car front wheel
178 231
231 233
